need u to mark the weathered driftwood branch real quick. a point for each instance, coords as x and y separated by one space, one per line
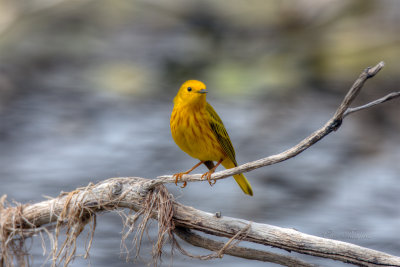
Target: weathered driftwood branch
130 193
151 200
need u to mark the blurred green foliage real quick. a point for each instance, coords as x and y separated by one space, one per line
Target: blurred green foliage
244 47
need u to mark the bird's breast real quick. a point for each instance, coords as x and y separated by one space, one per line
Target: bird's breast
191 131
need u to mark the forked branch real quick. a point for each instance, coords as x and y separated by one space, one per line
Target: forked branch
331 125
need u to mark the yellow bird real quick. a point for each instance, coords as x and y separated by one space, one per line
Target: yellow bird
198 131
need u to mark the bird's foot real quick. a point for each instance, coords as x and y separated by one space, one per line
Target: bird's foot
208 176
178 176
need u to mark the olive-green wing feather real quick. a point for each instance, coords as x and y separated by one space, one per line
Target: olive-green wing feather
220 132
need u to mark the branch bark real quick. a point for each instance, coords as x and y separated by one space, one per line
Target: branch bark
242 252
150 199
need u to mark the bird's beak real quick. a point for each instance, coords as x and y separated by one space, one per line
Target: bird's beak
202 91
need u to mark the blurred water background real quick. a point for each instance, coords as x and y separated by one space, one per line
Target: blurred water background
86 91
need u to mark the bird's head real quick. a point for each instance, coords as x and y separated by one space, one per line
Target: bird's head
191 91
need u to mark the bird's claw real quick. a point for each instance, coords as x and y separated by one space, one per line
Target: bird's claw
184 184
208 176
178 176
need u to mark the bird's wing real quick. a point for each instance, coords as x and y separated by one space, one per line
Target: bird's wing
219 131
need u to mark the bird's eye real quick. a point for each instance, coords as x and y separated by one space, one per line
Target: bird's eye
189 89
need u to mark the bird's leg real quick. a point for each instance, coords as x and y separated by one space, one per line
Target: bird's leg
179 175
210 172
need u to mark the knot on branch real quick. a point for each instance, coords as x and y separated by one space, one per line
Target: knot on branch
334 126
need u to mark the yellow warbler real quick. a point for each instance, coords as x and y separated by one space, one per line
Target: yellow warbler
198 131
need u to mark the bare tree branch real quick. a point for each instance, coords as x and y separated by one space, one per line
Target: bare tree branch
284 238
332 125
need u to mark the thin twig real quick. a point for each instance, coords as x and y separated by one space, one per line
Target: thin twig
373 103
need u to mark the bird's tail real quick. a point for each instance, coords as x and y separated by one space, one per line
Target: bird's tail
240 178
243 183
